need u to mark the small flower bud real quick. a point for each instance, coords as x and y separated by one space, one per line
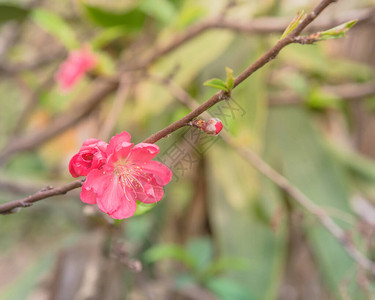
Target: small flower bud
213 126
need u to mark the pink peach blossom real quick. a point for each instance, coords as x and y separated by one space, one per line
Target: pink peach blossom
91 156
128 174
75 67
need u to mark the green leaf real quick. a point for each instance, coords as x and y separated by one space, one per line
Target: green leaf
336 32
56 26
319 99
202 251
131 19
226 264
9 12
161 10
227 289
143 208
309 165
176 252
294 23
217 83
230 79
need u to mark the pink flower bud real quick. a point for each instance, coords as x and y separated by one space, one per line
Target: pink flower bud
91 156
213 126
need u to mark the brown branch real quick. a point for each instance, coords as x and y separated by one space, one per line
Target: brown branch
278 179
110 86
47 192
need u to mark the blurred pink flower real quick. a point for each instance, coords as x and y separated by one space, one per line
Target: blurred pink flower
128 175
75 67
91 156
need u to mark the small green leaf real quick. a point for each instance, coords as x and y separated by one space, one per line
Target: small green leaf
143 208
230 79
319 99
217 83
56 26
9 12
294 23
336 32
131 19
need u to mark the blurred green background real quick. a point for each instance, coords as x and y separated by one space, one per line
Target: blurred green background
222 230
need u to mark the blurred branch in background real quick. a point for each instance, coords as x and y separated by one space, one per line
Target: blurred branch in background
346 92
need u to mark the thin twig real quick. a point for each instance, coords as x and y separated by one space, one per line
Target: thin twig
42 194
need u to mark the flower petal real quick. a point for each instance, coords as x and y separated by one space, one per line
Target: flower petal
160 172
152 192
112 196
118 139
143 152
127 207
88 195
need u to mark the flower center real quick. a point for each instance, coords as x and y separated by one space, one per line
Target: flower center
130 176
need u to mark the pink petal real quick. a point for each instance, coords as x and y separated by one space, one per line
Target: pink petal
112 197
143 152
152 192
88 195
118 139
160 172
120 151
127 207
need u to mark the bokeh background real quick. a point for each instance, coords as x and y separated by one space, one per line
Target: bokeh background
222 230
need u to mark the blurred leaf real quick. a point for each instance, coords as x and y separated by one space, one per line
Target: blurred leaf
183 280
56 26
131 19
227 289
216 83
143 208
176 252
201 249
360 166
11 12
307 163
106 36
106 65
225 264
294 23
161 10
336 32
237 227
190 13
319 99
